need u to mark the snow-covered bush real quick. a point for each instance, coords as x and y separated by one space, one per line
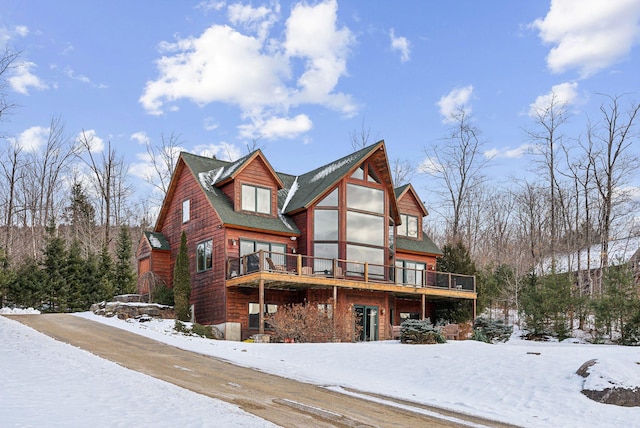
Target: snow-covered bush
491 330
420 331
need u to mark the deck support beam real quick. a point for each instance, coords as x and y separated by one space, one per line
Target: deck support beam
261 303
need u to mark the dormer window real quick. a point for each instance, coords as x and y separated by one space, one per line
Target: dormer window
256 199
409 226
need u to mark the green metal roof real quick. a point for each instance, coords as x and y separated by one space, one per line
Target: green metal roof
157 241
424 246
208 172
307 187
299 192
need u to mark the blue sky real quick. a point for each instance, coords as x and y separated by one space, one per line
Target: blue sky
303 76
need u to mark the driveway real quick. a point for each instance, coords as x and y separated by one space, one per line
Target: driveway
282 401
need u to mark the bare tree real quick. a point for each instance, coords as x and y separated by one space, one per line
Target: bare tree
613 163
40 195
402 172
359 139
7 60
457 164
108 172
12 174
163 159
546 134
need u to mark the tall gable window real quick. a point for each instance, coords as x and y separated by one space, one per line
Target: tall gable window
365 229
256 199
409 226
186 210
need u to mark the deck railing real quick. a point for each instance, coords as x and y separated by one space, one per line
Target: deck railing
299 264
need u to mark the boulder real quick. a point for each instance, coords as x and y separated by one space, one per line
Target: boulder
617 395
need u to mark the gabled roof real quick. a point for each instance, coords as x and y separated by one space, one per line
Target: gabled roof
426 245
304 190
211 173
294 193
157 241
408 188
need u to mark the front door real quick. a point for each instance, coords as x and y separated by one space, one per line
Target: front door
367 320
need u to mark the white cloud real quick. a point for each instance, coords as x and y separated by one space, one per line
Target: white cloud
277 127
210 5
96 144
508 153
22 79
80 77
455 100
263 76
560 95
430 166
141 138
210 124
32 139
312 35
8 34
258 20
400 44
589 35
22 30
222 151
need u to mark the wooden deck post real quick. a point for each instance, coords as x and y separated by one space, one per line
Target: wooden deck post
424 306
261 310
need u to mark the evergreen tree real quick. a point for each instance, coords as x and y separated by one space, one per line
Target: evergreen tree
54 282
80 215
455 259
7 276
124 276
105 275
73 273
27 286
182 282
94 290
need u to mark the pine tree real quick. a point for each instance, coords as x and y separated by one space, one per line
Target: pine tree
54 258
73 273
105 275
182 282
27 287
124 276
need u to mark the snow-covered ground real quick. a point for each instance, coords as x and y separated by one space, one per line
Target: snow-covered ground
524 383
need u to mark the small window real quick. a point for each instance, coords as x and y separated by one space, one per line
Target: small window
186 210
254 314
409 226
409 316
204 256
256 199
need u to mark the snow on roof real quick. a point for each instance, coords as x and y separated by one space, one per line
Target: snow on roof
332 167
208 179
292 191
155 242
620 251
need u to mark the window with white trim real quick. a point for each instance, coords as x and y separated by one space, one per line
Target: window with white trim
186 210
409 226
256 199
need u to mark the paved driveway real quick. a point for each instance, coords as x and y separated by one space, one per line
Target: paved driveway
282 401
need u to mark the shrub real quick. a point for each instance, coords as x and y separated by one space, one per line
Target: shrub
420 332
163 295
307 322
491 330
195 329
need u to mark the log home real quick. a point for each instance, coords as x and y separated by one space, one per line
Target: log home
259 239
